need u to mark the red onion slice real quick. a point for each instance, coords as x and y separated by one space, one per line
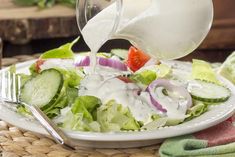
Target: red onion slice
169 87
112 63
82 61
85 61
156 104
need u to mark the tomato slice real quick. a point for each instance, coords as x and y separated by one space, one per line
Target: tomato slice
39 62
125 79
136 59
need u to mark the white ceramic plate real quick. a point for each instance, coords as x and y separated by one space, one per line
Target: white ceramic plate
215 115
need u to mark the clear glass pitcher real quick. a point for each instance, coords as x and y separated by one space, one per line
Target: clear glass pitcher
165 29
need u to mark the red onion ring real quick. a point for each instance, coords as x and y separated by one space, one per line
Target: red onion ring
85 61
155 103
170 87
112 63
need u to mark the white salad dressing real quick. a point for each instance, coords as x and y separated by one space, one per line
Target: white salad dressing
111 88
174 110
57 63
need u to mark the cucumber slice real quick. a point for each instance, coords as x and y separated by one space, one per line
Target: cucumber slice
121 53
42 89
208 92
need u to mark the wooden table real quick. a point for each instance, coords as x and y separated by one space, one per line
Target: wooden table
19 25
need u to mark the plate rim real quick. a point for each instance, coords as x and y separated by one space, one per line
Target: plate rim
120 136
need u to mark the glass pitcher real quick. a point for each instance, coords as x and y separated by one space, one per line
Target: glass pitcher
164 29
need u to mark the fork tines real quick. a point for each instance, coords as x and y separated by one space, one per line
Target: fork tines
10 87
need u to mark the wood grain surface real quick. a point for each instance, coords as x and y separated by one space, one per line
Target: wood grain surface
20 25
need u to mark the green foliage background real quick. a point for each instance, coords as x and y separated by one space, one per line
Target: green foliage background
45 3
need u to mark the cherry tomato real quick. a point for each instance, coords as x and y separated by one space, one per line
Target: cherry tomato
136 59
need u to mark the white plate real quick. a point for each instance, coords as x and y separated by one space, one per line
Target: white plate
214 116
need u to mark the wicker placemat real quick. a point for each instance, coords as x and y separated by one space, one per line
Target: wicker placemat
16 143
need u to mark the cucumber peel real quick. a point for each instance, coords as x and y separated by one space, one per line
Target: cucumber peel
208 92
42 89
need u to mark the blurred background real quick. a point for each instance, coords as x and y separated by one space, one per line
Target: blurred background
30 28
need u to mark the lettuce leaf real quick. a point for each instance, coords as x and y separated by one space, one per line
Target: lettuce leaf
172 122
159 122
228 68
196 110
77 122
161 70
145 77
149 73
63 52
72 77
80 117
203 71
72 94
115 117
86 105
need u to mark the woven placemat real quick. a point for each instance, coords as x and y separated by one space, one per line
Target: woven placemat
15 142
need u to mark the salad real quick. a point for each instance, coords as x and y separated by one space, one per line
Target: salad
127 91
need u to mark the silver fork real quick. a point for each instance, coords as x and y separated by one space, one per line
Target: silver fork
10 93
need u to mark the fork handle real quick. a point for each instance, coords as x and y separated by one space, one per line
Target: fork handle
51 127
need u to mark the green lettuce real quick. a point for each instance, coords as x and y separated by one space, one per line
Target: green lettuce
33 70
63 52
72 77
81 116
115 117
196 110
148 74
172 122
145 77
203 71
155 124
228 68
86 105
77 122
